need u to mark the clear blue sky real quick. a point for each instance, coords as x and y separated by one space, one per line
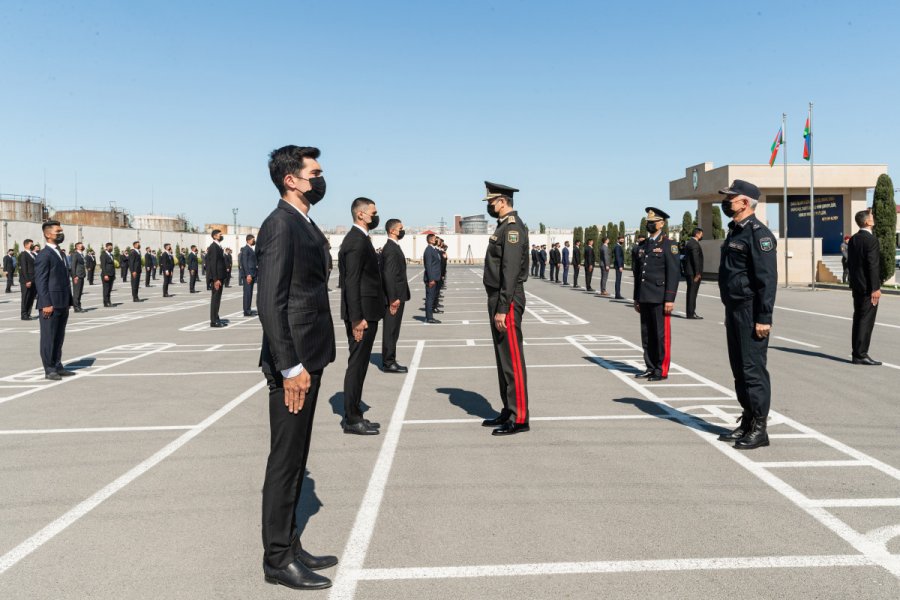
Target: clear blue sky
589 107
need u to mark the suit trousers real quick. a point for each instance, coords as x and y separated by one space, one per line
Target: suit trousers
53 333
214 303
285 469
357 367
566 274
575 270
618 283
747 356
181 274
90 276
124 274
167 279
543 267
692 290
135 286
656 338
431 296
193 280
534 269
28 296
510 358
248 294
588 274
9 282
390 335
863 323
147 278
604 277
77 291
107 292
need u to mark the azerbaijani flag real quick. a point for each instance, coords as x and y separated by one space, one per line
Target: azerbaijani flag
779 140
807 141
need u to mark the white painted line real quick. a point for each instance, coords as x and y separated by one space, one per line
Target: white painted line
791 436
354 554
668 385
575 418
798 342
71 516
173 374
494 367
802 464
892 366
854 502
213 348
549 313
470 342
618 566
95 430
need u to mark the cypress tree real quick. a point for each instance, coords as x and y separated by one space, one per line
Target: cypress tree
718 233
884 209
687 225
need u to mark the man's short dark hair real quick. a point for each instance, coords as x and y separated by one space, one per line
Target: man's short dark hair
696 231
193 247
49 224
391 223
79 244
430 238
215 232
250 236
358 205
108 244
27 241
167 245
136 243
861 217
288 160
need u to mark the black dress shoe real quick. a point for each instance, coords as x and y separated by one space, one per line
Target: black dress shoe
656 378
361 428
437 311
866 361
217 324
53 376
589 289
511 428
311 562
295 576
619 298
247 314
65 373
395 368
500 419
644 374
696 316
755 438
27 318
738 433
433 321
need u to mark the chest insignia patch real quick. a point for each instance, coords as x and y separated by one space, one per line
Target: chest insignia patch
766 244
674 249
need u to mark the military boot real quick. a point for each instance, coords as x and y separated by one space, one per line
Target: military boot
754 438
741 430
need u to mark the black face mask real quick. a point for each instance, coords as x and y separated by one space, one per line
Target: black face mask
59 239
373 224
491 211
652 227
317 191
401 234
726 208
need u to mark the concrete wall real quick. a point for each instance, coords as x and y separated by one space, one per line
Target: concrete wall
799 252
459 246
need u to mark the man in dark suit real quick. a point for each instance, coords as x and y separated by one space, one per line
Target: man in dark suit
26 279
605 260
396 294
589 259
298 342
182 265
247 266
215 276
576 263
863 261
167 266
229 263
554 263
692 262
54 297
432 276
107 273
78 272
619 265
534 260
655 286
193 269
148 266
123 264
90 263
9 268
134 267
565 263
362 306
542 261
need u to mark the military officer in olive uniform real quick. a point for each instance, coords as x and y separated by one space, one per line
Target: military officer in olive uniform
748 277
505 273
657 272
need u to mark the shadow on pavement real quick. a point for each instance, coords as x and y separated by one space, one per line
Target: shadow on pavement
813 354
473 403
672 414
308 504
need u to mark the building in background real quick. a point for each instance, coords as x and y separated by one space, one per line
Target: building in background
473 225
23 208
112 217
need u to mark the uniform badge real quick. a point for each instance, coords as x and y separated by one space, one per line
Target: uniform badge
658 250
674 249
512 237
766 244
493 238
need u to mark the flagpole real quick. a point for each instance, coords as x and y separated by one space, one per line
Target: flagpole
784 204
812 200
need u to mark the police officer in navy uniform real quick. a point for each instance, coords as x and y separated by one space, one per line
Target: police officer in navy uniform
748 276
657 273
505 274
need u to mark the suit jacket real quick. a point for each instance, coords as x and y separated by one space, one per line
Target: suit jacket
90 262
77 266
9 265
589 256
215 262
576 256
362 293
432 260
534 256
604 256
51 279
107 265
167 262
26 267
292 297
554 257
149 260
542 255
565 257
863 258
192 261
693 258
182 261
247 263
618 257
393 273
134 261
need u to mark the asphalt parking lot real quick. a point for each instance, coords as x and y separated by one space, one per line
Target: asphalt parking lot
141 476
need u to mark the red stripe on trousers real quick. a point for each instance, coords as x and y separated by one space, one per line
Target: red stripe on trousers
667 346
517 364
